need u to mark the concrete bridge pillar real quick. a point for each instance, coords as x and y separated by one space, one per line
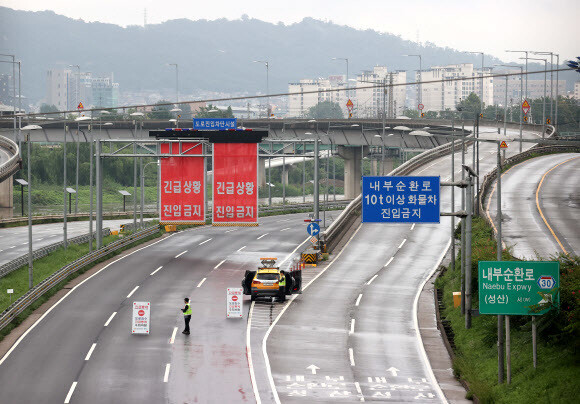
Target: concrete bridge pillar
6 198
285 170
352 170
262 161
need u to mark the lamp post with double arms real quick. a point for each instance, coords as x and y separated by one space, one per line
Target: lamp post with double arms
419 86
346 60
544 101
267 64
521 100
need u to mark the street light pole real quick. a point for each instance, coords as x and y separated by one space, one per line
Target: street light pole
347 86
481 89
77 86
65 240
521 100
551 79
544 103
265 62
526 52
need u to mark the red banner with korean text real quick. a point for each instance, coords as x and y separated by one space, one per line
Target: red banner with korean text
235 184
182 184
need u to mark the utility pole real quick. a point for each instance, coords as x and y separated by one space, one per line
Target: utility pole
500 318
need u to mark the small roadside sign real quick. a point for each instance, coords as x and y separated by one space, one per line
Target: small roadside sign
526 107
515 287
548 121
80 106
525 119
420 106
313 229
234 303
10 291
141 317
349 104
503 145
313 240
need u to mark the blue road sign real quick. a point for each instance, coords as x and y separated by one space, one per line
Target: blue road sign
214 123
546 282
400 199
313 229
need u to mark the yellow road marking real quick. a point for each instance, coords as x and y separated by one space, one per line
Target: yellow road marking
538 202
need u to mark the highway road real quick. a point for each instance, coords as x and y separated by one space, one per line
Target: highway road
548 224
14 240
4 155
353 332
83 350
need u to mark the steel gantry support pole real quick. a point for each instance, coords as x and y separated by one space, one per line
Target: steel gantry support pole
77 169
557 91
468 252
64 159
316 163
452 195
270 176
463 197
99 178
304 173
30 265
500 318
135 182
91 191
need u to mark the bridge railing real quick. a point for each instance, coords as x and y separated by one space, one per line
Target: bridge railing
13 163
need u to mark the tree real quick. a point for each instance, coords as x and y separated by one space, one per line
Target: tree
325 110
213 112
471 104
411 113
161 111
44 108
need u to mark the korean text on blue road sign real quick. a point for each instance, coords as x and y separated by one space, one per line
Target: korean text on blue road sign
313 229
400 199
214 123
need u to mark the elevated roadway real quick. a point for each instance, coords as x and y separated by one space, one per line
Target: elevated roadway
540 206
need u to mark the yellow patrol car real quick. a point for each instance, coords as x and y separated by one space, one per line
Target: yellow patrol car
269 281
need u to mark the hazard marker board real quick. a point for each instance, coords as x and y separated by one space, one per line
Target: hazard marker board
141 318
526 107
503 145
234 303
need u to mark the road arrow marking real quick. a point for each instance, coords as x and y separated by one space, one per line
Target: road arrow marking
314 368
393 371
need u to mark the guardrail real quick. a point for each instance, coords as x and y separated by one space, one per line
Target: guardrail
29 297
13 163
16 263
331 236
490 178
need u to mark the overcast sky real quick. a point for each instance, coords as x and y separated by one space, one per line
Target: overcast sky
491 26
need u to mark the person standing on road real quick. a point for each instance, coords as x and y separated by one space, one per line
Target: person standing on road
186 315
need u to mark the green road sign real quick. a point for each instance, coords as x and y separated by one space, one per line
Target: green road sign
512 287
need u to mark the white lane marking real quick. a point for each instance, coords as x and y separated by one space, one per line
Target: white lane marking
358 300
203 242
180 254
351 326
218 265
69 292
133 291
90 351
287 228
372 279
166 375
262 236
110 319
154 272
70 392
404 241
40 239
249 350
357 385
172 339
24 243
12 246
265 339
388 262
416 325
241 248
228 231
412 226
351 356
202 281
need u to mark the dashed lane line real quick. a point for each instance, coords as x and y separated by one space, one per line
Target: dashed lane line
180 254
413 226
402 243
201 283
372 279
90 351
154 272
352 321
287 228
166 375
388 262
110 319
133 291
70 392
203 242
218 265
241 248
262 236
351 356
172 339
358 300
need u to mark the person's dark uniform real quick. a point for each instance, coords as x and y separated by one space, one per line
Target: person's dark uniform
186 315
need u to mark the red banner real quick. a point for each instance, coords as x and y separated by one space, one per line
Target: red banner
235 183
182 184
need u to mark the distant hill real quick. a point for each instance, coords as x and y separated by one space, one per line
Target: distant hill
212 55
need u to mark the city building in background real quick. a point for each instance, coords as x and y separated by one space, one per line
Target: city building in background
66 88
535 87
446 95
298 104
369 101
6 93
577 91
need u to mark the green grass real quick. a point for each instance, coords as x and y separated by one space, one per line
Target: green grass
556 378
